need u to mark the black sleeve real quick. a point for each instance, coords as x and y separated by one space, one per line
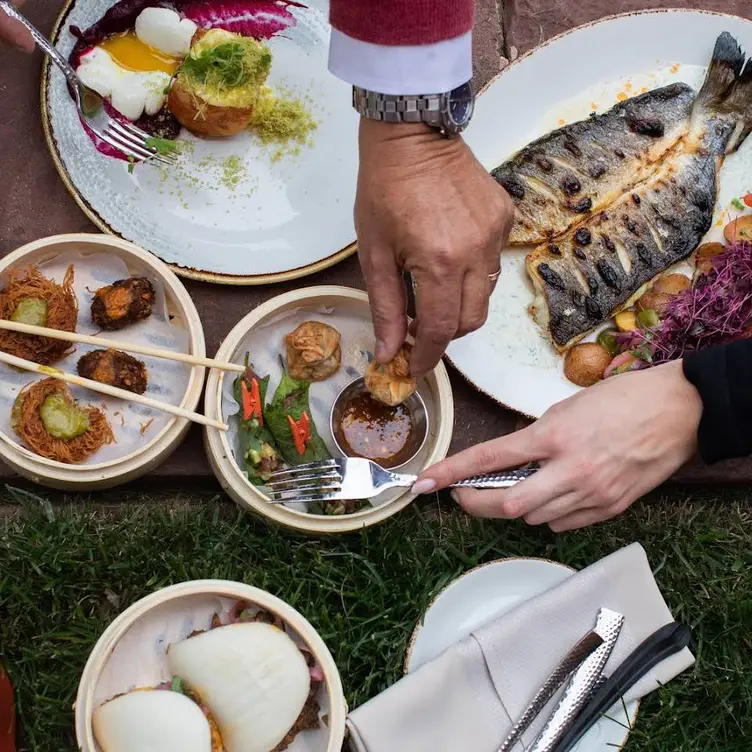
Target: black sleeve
723 377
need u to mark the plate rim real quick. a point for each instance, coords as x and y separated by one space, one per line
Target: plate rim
529 53
218 278
504 560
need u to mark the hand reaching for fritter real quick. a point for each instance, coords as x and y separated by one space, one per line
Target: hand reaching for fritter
425 204
14 33
599 451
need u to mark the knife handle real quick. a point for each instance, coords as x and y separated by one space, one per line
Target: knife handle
662 644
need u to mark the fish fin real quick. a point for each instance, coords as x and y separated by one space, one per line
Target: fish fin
739 103
725 67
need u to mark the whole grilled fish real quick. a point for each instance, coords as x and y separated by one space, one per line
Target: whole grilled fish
583 167
603 264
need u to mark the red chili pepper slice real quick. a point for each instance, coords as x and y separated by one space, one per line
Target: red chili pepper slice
251 401
748 200
301 432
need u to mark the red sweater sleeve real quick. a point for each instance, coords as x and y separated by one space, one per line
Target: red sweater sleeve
402 22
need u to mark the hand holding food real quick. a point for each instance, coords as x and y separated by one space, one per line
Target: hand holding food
600 450
425 204
391 383
12 32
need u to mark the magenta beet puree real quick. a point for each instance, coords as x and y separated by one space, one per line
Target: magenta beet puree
260 19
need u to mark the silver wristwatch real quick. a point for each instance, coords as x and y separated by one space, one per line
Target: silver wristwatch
449 113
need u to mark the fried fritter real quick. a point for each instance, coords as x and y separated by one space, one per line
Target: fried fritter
115 368
392 384
313 351
122 303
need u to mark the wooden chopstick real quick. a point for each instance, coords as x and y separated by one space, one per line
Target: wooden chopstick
112 391
43 331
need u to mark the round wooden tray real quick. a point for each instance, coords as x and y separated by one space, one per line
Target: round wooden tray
155 450
135 641
435 389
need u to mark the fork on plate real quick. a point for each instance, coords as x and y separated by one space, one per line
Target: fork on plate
123 136
351 478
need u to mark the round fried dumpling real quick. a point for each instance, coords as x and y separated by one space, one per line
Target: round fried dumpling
151 720
392 383
313 351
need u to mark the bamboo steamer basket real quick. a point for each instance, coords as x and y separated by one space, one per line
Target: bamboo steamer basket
136 638
218 444
156 450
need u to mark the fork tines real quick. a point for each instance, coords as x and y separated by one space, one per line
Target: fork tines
132 141
315 481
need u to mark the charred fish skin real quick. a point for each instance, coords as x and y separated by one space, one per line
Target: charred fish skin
581 168
659 223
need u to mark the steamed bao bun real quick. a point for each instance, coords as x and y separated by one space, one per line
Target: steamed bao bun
151 721
251 676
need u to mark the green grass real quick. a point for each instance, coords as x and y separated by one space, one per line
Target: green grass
66 572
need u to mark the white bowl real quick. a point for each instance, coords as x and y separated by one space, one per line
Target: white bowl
132 653
263 331
155 450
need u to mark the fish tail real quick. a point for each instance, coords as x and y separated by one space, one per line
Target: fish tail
739 104
725 68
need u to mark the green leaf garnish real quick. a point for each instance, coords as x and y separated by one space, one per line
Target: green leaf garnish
738 204
228 66
131 164
162 145
177 685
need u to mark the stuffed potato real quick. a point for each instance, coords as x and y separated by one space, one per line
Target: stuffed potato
216 88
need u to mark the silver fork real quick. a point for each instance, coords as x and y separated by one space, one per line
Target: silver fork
124 137
355 478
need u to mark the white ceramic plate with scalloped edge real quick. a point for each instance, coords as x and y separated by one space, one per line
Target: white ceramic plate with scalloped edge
233 211
508 359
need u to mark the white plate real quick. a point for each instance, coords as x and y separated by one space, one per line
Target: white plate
482 595
508 359
283 219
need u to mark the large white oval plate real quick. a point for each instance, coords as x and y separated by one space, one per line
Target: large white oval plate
560 82
230 213
486 593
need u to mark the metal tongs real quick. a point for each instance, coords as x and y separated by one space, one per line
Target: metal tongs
589 693
584 664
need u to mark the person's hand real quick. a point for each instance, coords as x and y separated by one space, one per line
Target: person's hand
15 33
425 204
599 450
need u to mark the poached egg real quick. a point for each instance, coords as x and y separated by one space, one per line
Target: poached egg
133 70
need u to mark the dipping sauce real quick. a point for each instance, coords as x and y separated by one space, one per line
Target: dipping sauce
375 431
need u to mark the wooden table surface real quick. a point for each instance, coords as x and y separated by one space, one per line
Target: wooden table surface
34 202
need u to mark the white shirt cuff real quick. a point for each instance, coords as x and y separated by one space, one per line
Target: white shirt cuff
408 70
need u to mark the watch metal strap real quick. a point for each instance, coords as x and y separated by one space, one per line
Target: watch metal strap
422 108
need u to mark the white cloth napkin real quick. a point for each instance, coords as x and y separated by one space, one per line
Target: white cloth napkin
468 698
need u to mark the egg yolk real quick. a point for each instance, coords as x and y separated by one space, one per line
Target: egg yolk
130 52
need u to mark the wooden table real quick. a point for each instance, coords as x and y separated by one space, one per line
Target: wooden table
34 203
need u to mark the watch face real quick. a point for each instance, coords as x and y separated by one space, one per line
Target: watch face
461 105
